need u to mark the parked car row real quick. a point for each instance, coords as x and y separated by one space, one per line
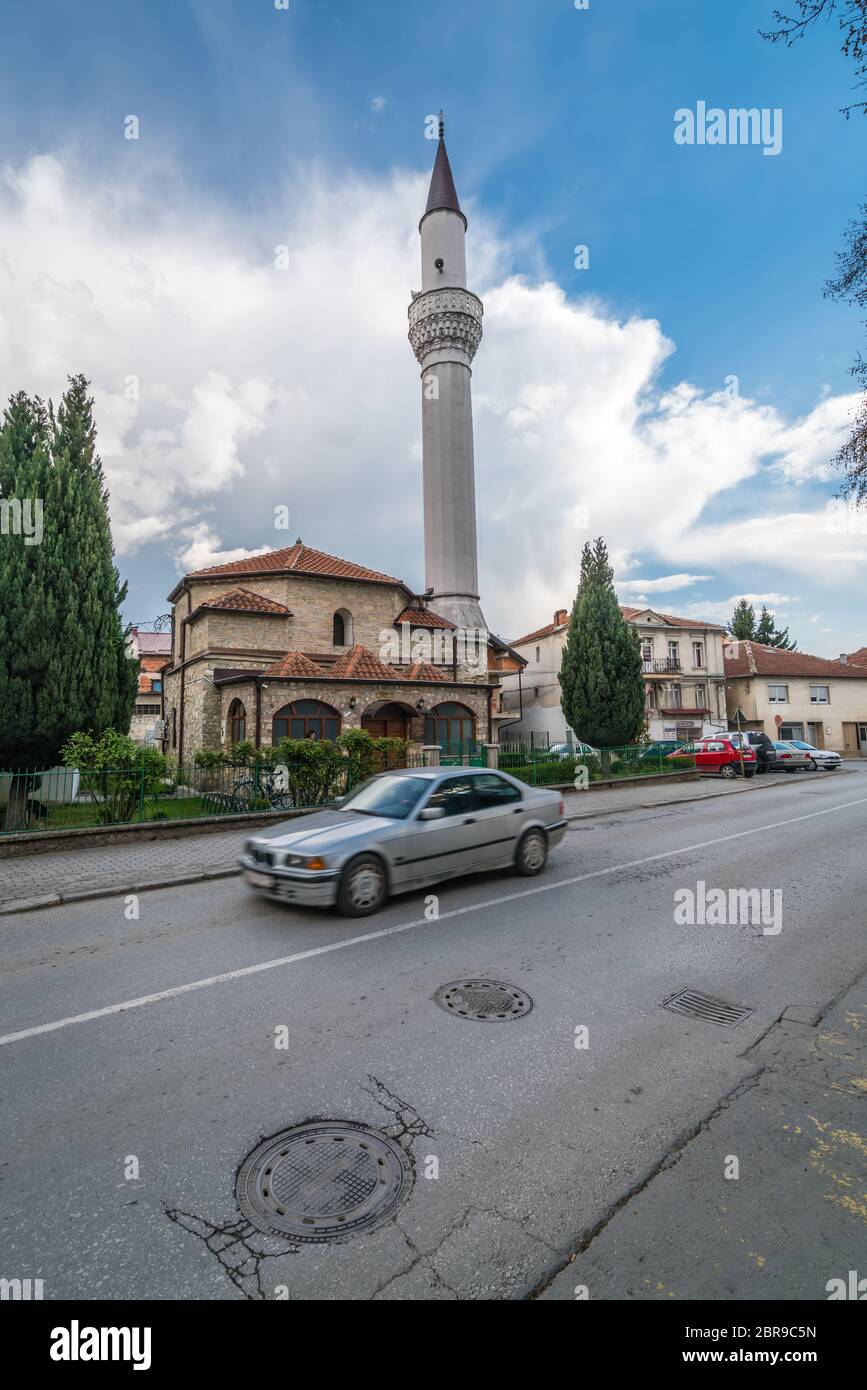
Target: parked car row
746 753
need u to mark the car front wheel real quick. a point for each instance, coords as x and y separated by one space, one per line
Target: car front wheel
363 887
532 853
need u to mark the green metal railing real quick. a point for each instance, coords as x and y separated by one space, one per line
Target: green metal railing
565 763
68 798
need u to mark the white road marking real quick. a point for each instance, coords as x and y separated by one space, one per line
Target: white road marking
246 970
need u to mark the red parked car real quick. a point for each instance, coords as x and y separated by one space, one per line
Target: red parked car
717 755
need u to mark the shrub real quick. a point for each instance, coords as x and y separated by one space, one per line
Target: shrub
117 772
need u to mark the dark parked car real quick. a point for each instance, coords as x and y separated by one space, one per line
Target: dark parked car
655 751
761 745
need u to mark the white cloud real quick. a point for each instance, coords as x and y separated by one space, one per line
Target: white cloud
665 584
259 386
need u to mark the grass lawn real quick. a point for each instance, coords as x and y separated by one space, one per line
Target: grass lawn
87 813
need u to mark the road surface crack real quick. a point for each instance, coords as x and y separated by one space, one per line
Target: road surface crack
237 1246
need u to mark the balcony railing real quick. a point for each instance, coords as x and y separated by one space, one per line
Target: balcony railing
684 709
663 666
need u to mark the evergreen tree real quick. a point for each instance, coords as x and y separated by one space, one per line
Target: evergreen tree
743 623
601 681
767 632
63 663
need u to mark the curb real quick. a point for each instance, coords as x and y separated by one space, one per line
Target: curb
78 895
675 801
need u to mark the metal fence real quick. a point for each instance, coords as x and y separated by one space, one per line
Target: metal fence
569 762
69 798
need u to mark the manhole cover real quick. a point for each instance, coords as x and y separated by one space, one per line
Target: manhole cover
322 1180
697 1005
486 1001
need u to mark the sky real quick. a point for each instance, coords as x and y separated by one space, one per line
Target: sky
234 283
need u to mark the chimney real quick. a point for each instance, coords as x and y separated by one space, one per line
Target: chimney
844 658
561 617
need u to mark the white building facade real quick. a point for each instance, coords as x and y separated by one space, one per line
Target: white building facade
684 674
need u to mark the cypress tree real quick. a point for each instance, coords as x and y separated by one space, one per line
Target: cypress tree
601 680
63 666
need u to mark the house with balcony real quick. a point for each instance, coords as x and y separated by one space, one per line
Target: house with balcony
794 695
682 663
684 674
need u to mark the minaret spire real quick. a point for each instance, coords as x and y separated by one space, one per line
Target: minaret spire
443 193
445 329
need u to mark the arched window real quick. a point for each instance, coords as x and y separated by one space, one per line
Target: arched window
341 628
450 726
237 722
305 719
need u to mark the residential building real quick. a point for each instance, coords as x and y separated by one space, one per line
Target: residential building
153 651
682 663
794 695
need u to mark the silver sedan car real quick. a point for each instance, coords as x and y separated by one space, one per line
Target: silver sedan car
401 830
788 758
824 758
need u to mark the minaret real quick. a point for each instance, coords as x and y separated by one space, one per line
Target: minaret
445 329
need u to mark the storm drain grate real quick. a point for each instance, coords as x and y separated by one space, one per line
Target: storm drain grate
695 1004
485 1001
322 1181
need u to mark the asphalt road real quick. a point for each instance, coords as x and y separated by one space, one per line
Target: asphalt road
148 1046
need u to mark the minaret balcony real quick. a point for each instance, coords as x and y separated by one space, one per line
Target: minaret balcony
446 320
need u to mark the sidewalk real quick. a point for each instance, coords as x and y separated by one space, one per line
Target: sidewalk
68 875
795 1219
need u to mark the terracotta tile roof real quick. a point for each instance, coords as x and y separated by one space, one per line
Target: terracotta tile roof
298 559
242 601
747 659
294 664
859 657
425 671
561 621
630 614
362 664
422 617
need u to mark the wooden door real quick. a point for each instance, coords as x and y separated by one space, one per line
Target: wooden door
850 738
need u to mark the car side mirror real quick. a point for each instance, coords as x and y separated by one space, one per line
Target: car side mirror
338 801
431 813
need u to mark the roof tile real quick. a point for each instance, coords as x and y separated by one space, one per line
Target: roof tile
297 559
362 664
745 659
422 617
243 601
295 664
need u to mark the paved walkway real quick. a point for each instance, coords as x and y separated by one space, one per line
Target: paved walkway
68 875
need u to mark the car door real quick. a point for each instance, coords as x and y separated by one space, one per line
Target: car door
448 846
501 812
713 756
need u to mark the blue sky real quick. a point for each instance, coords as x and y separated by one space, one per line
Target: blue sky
559 124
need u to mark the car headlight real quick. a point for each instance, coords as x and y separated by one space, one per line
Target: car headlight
302 861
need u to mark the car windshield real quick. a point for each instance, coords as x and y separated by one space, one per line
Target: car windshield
796 743
387 795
